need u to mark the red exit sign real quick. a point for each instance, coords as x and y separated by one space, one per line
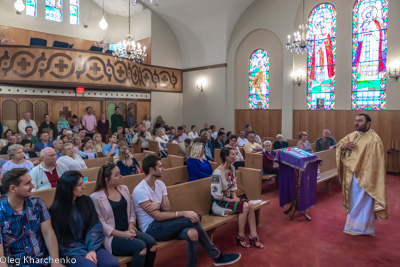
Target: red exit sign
80 90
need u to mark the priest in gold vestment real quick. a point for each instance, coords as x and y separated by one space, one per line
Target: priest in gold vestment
360 160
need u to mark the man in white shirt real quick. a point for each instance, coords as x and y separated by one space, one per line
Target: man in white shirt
26 121
181 134
155 217
242 140
193 134
144 136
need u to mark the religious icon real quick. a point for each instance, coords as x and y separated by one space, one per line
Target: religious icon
320 103
259 79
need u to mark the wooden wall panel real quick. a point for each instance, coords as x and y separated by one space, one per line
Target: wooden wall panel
341 122
264 122
143 108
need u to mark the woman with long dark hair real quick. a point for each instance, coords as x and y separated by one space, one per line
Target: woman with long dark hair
115 208
75 222
225 201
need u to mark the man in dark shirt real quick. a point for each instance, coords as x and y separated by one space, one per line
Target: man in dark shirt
116 120
130 118
325 142
219 142
12 140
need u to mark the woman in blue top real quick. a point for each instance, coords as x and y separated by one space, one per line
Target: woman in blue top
127 164
76 224
197 165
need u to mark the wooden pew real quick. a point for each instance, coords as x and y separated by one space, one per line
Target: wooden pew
90 173
175 149
255 161
153 146
172 161
90 163
292 142
48 194
328 169
217 158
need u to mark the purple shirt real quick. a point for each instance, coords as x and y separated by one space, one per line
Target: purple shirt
89 121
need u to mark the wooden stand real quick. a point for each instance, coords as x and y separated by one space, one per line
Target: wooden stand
293 207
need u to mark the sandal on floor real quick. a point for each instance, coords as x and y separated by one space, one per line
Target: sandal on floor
255 241
241 241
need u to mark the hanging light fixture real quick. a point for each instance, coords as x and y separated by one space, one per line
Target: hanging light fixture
301 41
19 6
103 23
128 48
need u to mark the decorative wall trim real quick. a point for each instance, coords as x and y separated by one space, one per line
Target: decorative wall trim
51 67
14 90
223 65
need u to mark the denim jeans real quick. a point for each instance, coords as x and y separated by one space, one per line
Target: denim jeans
127 247
178 229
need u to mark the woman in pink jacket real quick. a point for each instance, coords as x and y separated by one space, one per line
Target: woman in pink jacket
115 209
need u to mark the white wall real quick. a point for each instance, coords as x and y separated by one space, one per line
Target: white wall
169 106
165 50
207 106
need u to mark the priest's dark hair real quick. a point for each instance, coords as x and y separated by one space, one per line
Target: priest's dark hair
367 117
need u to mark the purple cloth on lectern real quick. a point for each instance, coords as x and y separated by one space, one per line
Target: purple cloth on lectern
290 160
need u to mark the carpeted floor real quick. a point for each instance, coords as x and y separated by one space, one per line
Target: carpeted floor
320 242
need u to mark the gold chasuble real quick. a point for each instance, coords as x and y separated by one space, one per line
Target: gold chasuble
367 162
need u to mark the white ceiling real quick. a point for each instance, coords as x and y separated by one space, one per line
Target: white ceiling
202 27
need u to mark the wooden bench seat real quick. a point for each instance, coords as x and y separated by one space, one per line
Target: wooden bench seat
327 168
255 161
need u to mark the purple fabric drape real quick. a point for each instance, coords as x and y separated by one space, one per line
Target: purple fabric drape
290 161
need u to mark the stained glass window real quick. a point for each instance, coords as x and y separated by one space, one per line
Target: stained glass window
53 10
321 58
259 80
74 12
31 8
370 21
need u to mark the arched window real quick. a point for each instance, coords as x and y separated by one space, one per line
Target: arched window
321 58
259 80
53 10
74 12
370 21
31 8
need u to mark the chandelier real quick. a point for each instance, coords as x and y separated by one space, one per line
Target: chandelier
128 48
301 39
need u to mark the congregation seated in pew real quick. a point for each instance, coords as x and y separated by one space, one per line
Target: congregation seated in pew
303 143
153 211
225 201
197 165
58 146
114 206
127 164
97 143
17 159
111 148
87 151
269 166
251 145
279 143
47 173
28 153
239 162
70 159
76 224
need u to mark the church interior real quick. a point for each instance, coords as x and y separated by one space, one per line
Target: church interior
198 69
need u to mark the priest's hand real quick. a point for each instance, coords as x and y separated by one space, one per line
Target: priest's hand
348 145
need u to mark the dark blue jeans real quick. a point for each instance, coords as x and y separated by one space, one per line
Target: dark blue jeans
104 258
127 247
178 229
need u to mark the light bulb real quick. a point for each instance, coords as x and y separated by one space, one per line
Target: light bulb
19 6
103 23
